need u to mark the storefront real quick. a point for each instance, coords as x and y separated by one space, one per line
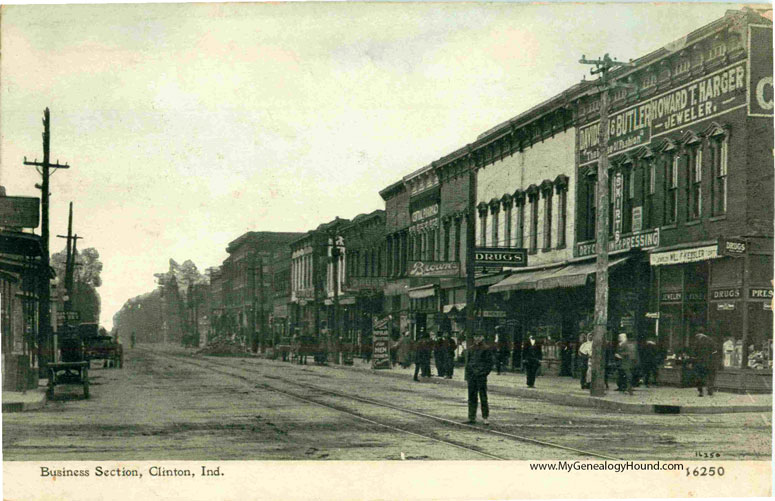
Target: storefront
727 294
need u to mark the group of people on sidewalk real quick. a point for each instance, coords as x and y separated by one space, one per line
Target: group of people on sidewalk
631 363
439 346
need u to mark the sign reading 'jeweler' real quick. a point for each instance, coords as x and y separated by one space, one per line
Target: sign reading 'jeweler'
494 256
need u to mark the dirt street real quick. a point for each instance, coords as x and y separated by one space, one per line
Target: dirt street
182 407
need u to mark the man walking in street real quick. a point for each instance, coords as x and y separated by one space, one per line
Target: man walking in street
439 354
649 361
532 355
705 360
627 355
422 356
450 346
478 366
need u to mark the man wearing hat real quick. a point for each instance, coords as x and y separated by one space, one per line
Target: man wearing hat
705 360
479 361
627 356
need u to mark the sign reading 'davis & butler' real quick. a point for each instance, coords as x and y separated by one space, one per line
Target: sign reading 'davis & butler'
434 269
495 256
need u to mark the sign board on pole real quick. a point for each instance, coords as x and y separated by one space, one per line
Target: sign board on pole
19 212
496 256
380 357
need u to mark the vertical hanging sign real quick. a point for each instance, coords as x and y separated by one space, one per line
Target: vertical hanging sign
380 357
618 202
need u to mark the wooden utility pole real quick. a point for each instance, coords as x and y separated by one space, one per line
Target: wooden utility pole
470 252
45 347
70 260
602 67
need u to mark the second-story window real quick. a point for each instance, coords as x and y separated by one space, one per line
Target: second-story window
671 188
494 225
520 229
548 218
534 222
562 214
694 183
719 159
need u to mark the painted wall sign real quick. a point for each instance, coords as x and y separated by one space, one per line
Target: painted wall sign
652 314
695 297
19 212
434 269
684 255
618 205
641 240
425 213
725 306
760 90
494 256
760 293
719 92
364 283
726 293
493 314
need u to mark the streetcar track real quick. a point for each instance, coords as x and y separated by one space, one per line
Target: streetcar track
340 409
511 436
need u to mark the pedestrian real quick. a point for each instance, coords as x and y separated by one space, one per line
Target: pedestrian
439 354
422 357
585 352
649 358
427 350
627 356
404 350
503 350
478 366
531 356
450 346
705 362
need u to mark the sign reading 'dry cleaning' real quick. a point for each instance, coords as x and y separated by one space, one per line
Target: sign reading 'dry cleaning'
706 97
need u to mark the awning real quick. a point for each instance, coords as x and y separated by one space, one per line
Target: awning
574 275
521 281
456 307
342 300
421 292
485 280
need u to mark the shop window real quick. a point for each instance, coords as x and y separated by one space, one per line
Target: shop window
445 244
694 184
719 159
671 188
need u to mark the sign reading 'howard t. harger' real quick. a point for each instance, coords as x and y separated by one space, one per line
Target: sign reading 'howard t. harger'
494 256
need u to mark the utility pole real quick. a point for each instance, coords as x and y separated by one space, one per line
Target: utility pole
470 252
335 281
261 303
44 309
602 67
70 260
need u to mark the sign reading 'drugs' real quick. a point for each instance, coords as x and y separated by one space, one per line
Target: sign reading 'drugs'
718 92
494 256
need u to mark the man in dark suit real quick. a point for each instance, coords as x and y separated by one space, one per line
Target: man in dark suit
479 361
705 362
627 356
532 356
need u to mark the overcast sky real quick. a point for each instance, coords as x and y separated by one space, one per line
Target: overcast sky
187 125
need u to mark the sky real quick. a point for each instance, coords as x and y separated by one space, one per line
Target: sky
186 125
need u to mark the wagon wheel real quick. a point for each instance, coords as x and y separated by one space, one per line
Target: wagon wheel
85 376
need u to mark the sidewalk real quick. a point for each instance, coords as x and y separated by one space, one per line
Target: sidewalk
567 391
16 401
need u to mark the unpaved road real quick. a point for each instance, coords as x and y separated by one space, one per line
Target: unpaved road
163 407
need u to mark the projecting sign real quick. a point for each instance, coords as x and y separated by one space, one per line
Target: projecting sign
640 240
495 256
637 219
380 357
434 269
731 247
709 96
19 212
760 91
652 314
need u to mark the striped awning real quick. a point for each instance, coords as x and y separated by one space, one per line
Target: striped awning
456 307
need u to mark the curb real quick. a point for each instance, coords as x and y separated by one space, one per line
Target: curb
25 406
579 401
